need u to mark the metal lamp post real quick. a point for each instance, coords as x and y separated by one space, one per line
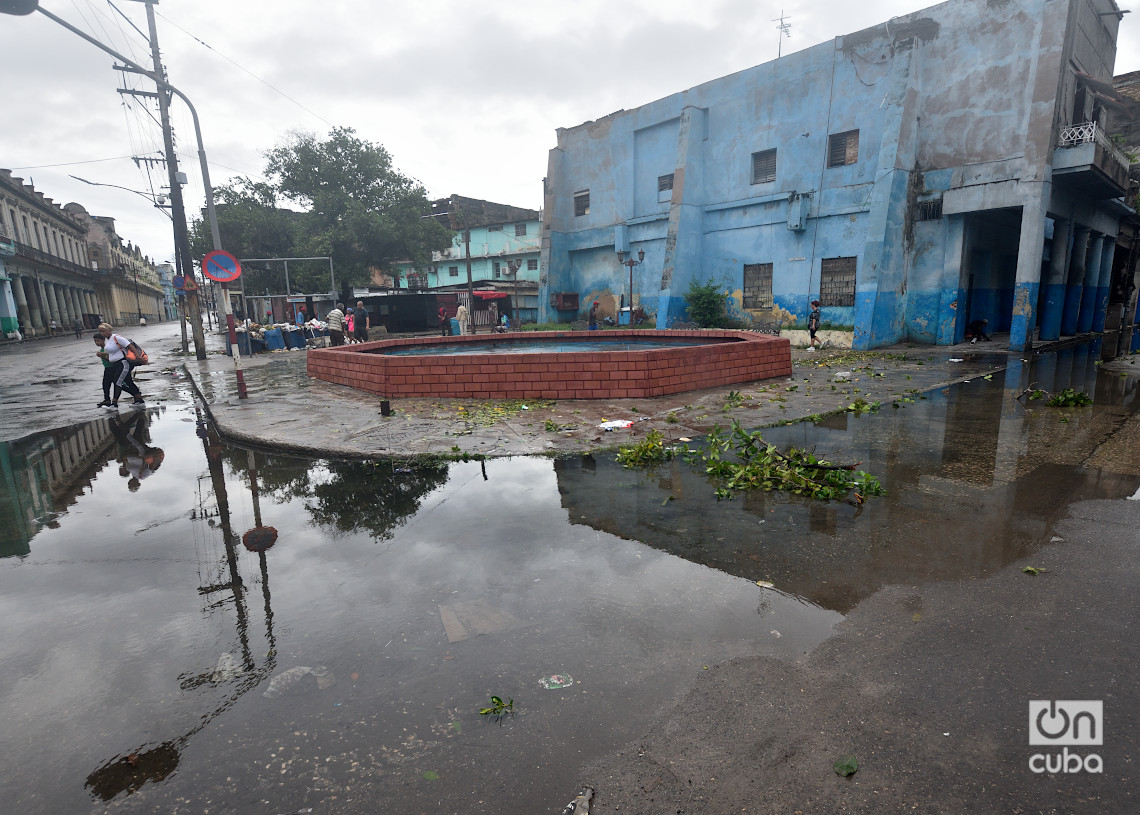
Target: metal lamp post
631 263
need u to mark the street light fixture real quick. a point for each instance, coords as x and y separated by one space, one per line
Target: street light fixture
630 263
159 201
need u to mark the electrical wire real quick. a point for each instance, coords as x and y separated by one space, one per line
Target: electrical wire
244 69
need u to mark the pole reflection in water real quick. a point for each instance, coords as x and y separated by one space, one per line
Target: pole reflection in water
129 771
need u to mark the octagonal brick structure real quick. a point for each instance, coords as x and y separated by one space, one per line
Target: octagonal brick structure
726 358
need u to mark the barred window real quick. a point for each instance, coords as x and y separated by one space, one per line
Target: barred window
837 282
497 268
928 210
532 265
664 182
842 148
581 203
764 166
495 228
758 285
520 230
453 271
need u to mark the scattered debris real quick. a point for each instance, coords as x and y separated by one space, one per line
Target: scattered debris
556 681
226 669
846 766
289 678
581 803
615 424
1033 570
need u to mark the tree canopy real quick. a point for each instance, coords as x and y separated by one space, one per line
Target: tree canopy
350 203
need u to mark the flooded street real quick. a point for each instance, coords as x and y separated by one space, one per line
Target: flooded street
150 651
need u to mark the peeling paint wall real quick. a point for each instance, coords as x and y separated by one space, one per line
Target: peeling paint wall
956 106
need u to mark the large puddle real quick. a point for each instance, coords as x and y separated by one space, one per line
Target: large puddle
139 636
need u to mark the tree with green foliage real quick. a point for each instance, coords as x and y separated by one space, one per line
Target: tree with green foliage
352 204
706 305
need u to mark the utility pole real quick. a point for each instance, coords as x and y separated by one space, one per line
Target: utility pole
467 251
177 207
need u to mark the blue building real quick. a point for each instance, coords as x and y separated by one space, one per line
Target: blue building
947 165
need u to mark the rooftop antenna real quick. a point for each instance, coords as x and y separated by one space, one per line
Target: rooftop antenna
785 29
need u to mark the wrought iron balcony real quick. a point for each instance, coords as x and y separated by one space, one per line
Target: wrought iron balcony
1088 161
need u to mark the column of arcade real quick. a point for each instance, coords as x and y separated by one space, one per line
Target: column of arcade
1076 282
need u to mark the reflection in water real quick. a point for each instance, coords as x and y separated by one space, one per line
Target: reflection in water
974 480
42 475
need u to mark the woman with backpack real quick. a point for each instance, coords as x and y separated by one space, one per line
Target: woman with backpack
116 347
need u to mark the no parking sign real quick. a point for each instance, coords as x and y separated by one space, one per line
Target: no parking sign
221 266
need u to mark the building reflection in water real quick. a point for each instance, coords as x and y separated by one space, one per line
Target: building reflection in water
976 477
44 474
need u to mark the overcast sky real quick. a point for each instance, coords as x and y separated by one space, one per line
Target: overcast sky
465 95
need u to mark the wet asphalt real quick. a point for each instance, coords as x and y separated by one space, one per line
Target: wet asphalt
927 686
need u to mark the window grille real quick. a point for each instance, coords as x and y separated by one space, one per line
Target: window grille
520 230
497 268
837 282
764 166
532 265
842 148
928 210
664 182
453 271
581 204
758 285
495 228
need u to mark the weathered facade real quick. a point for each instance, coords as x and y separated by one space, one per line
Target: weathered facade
44 272
944 166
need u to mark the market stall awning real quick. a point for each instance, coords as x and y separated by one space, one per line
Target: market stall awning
489 295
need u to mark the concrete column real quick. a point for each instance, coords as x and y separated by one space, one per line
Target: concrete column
1030 249
76 308
1075 281
1055 282
1103 282
35 305
51 302
1088 288
21 302
68 304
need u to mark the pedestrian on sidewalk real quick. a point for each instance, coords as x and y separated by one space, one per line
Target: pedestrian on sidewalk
461 315
116 347
77 327
53 328
360 323
335 321
444 323
813 323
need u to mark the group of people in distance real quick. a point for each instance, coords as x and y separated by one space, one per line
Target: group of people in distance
347 327
500 324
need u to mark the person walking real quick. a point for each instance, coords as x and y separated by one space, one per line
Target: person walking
813 324
349 326
461 315
108 369
77 327
53 328
116 347
361 323
335 321
592 323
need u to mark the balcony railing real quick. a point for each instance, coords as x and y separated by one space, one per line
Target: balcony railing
30 253
1091 132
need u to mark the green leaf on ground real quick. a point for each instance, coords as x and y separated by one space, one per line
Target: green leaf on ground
431 775
1033 570
846 766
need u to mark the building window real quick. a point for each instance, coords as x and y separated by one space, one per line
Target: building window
39 243
495 228
453 271
497 268
764 166
837 282
758 285
928 210
465 237
665 188
581 203
842 148
532 265
520 230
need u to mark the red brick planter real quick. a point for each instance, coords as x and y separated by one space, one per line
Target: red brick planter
736 356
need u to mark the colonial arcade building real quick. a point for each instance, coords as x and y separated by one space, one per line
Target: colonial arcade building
49 269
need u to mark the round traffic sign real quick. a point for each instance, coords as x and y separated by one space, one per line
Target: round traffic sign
221 266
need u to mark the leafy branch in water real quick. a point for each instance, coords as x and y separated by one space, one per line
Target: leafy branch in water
1069 397
498 708
738 460
649 452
